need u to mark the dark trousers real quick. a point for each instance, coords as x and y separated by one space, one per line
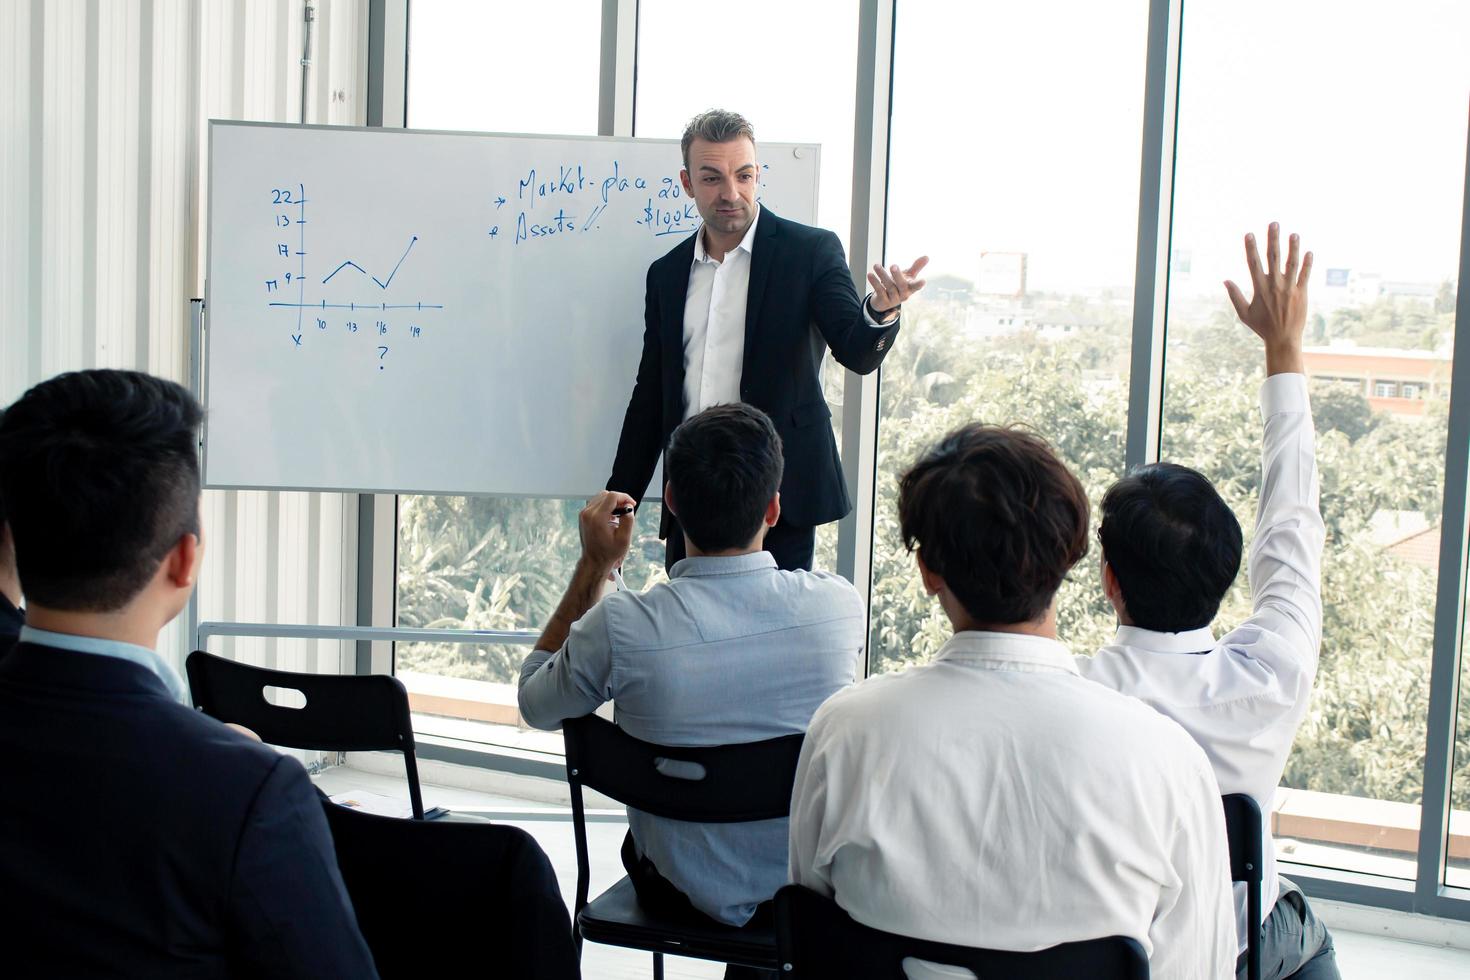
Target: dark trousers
1294 942
792 545
661 897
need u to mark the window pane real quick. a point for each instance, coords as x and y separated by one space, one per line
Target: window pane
810 99
493 562
490 563
1457 867
500 67
1347 126
1022 187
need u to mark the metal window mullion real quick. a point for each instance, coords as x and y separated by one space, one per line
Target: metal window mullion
618 68
1155 217
387 63
377 514
872 117
1449 606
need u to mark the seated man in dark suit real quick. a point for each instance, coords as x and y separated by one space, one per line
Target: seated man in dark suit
11 616
138 837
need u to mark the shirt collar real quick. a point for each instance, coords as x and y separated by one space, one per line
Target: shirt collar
1018 651
704 565
1190 641
96 645
746 243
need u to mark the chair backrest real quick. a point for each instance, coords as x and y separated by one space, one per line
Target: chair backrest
342 713
1243 828
1247 864
432 897
705 784
817 939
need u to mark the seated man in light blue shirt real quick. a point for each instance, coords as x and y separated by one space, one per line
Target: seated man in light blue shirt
731 649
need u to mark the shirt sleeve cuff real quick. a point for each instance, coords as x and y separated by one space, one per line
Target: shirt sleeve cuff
868 314
1284 393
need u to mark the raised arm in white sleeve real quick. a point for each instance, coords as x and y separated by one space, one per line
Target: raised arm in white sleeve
1284 633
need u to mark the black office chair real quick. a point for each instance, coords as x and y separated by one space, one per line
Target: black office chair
438 899
1247 864
819 941
741 783
343 712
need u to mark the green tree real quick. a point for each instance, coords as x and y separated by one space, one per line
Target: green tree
1444 299
1342 408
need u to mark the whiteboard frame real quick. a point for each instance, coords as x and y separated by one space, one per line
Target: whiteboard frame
797 149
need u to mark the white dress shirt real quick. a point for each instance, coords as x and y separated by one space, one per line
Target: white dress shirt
1242 697
994 798
714 323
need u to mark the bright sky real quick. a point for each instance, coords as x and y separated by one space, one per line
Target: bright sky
1017 127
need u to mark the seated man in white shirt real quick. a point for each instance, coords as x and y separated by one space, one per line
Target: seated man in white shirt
993 798
1171 549
731 649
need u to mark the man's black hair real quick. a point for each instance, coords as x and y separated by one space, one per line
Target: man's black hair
1173 544
724 465
100 477
999 517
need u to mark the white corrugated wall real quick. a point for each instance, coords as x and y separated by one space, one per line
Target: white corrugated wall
104 107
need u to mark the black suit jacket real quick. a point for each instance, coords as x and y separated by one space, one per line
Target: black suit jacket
140 838
11 620
432 896
800 301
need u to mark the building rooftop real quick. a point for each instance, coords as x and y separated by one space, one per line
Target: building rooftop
1349 348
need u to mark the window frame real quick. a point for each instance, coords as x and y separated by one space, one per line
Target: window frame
387 70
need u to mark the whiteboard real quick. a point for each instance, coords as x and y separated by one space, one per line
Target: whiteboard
398 311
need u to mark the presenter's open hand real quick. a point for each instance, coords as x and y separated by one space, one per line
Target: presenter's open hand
605 537
891 286
1277 311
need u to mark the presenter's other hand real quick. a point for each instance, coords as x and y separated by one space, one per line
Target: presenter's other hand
1277 311
606 538
891 286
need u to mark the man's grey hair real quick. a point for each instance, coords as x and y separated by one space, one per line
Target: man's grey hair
715 126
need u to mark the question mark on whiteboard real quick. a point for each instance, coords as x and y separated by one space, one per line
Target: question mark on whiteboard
382 352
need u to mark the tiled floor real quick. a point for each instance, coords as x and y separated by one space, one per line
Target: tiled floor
1360 956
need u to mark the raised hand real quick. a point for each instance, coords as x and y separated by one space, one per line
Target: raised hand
1277 311
891 286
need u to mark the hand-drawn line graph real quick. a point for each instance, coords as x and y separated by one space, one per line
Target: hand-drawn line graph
381 283
302 304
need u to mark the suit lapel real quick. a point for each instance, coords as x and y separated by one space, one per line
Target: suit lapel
762 256
675 289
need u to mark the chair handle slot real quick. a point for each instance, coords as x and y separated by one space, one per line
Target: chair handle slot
679 769
284 697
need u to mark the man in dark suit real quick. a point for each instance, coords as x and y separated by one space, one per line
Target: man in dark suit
138 837
742 311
